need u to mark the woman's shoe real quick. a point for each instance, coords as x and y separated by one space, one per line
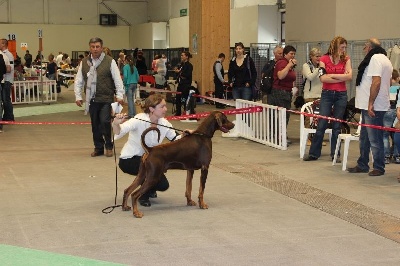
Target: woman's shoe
310 158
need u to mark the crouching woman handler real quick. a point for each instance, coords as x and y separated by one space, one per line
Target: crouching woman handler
154 109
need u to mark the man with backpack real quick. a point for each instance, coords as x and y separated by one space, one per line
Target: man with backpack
268 73
3 70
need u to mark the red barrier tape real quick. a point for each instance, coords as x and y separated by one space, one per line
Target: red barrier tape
182 117
391 129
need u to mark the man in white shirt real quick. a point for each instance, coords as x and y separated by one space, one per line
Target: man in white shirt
101 75
8 114
372 97
59 59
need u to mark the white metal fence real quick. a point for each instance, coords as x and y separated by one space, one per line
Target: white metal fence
266 127
34 91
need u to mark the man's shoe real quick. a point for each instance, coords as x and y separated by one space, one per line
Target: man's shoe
387 160
145 202
96 153
109 153
397 159
356 170
375 173
310 158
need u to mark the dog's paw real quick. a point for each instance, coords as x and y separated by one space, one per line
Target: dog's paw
126 208
203 206
138 214
191 203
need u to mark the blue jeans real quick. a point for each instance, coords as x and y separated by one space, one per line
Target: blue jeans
130 94
372 139
388 120
337 101
396 139
244 93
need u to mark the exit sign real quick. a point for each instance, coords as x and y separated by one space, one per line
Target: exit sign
183 12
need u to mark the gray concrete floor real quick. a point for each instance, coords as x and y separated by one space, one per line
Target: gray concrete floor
265 205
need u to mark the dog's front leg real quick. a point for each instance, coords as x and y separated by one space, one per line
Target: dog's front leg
203 179
188 193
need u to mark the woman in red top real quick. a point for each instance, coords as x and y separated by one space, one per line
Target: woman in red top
284 78
335 70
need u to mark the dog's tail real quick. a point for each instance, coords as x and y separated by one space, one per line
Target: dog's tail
146 148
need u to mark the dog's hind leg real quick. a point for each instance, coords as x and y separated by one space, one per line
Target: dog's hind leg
203 179
188 193
128 191
146 186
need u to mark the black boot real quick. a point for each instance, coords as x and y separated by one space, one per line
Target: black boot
144 200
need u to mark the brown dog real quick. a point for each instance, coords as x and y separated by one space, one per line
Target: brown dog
190 153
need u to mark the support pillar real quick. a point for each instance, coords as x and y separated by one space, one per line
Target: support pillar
209 33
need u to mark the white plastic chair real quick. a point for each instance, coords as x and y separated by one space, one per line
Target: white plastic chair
346 139
305 131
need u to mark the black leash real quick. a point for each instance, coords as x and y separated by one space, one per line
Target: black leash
109 209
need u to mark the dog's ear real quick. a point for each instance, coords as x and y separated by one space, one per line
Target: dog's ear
219 118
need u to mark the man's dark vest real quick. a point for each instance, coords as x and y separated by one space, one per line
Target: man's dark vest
105 87
216 79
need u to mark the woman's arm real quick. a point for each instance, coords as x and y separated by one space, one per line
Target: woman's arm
283 73
306 71
326 78
348 74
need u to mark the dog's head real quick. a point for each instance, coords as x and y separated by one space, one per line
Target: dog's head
223 123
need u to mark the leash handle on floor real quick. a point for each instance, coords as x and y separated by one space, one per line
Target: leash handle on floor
109 209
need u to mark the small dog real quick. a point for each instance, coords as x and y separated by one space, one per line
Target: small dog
190 153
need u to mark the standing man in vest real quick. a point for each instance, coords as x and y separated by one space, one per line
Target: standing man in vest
8 81
218 69
101 75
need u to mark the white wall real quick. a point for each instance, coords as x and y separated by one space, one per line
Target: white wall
70 12
269 24
179 32
65 38
244 25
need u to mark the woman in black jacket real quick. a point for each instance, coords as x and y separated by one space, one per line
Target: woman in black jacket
242 74
184 81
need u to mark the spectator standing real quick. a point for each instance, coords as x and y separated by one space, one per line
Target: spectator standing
242 74
335 69
51 68
184 81
3 71
154 64
101 75
39 58
312 86
372 98
219 72
141 63
268 71
121 61
59 59
28 59
161 66
283 81
8 114
131 79
388 120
